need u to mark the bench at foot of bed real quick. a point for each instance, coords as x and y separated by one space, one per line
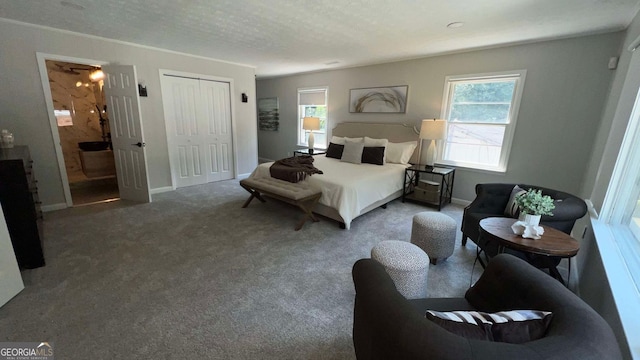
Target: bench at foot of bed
301 195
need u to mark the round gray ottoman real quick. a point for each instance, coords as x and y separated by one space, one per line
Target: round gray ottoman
406 264
435 233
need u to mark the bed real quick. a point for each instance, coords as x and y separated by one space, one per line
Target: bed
350 190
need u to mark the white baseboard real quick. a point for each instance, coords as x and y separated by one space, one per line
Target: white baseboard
53 207
460 201
264 160
160 190
243 176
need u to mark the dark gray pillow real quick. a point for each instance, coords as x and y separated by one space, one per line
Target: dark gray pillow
373 155
515 327
335 151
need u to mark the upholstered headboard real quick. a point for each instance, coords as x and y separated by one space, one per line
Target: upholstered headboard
396 133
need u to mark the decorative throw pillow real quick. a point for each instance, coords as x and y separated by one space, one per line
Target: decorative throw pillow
512 209
515 327
370 142
337 140
400 153
352 152
335 151
373 155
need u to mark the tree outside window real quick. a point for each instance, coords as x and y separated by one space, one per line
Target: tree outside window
481 112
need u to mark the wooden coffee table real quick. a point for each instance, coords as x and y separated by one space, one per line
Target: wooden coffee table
552 243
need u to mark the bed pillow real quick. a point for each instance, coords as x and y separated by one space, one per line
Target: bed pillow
370 142
515 327
400 153
373 155
337 140
352 152
358 139
512 209
335 150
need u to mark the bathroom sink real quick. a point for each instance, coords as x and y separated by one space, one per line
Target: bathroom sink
93 145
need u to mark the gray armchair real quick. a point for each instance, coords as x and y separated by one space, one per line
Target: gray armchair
388 326
491 200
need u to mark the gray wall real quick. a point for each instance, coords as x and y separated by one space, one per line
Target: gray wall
23 109
565 90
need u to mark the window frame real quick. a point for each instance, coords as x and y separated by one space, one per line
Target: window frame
302 140
618 246
507 141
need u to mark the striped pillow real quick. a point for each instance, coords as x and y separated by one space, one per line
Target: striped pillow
515 327
512 209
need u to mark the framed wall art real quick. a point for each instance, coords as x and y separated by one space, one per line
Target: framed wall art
387 99
268 114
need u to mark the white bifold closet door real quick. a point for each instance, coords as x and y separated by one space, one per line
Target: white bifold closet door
198 120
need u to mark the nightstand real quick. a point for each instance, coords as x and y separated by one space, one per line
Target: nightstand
428 185
309 152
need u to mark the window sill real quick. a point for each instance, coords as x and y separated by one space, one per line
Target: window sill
620 252
477 168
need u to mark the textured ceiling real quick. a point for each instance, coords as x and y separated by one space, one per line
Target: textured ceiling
281 37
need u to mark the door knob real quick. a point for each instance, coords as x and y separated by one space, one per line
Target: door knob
139 144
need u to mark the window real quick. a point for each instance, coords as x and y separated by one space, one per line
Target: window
617 228
481 111
313 102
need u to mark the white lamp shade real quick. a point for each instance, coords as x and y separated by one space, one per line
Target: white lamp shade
433 129
311 123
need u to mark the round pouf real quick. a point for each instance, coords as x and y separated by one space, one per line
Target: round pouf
406 264
435 233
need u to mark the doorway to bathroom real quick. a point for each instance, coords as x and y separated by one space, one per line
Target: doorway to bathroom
83 126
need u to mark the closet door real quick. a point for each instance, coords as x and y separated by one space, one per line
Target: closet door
216 104
199 136
185 134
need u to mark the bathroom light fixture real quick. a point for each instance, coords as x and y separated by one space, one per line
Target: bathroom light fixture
96 75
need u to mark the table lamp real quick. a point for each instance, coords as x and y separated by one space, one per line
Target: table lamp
311 123
433 130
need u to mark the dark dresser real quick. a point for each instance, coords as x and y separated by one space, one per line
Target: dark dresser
21 206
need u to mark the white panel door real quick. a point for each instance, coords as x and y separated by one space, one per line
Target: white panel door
198 121
216 104
123 105
185 133
10 278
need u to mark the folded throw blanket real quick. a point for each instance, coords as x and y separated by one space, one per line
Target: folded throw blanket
294 169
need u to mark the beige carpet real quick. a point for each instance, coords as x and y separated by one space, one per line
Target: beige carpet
194 276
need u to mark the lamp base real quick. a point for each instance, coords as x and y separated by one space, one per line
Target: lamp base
311 141
431 154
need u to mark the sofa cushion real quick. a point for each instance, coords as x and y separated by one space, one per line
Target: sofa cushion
512 209
515 327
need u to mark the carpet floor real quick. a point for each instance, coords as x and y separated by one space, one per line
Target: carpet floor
193 275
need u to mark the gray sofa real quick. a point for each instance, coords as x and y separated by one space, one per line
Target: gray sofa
388 326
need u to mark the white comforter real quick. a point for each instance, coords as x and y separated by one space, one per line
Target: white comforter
349 188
